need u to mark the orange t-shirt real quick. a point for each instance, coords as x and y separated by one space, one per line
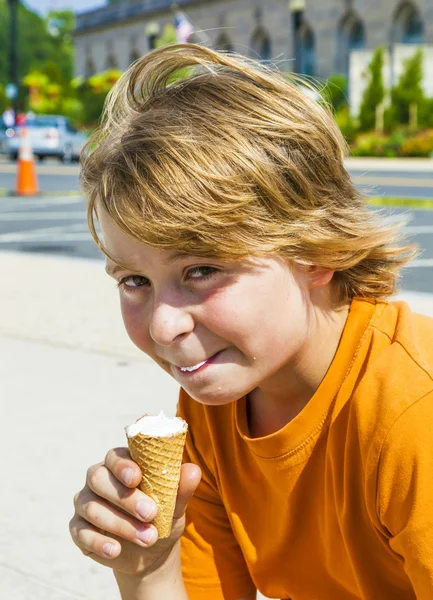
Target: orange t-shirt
338 504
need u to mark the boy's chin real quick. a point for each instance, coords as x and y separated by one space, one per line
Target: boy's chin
214 398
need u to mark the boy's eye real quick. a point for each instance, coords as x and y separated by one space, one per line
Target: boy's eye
133 281
201 273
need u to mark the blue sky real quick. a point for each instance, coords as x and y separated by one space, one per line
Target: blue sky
43 6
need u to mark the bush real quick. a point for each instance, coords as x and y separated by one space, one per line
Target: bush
334 91
419 145
379 146
347 124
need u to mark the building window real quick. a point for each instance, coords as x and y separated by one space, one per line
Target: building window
261 44
408 26
224 43
307 62
351 36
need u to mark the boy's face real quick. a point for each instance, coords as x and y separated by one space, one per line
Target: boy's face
221 329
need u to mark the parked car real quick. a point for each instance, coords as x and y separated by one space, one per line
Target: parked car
5 133
50 135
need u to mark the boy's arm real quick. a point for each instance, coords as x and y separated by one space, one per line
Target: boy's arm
405 493
166 582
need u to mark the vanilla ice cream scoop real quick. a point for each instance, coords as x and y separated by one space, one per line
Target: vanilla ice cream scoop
156 444
157 426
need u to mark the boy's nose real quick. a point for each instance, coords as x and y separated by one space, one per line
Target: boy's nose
168 323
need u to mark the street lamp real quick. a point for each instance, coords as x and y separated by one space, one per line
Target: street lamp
13 61
297 8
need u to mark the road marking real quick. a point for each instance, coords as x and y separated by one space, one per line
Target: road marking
46 237
40 216
13 203
420 229
421 262
393 181
396 202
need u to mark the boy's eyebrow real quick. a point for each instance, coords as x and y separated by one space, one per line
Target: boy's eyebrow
112 268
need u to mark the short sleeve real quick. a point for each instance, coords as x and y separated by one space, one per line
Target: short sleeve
212 562
405 493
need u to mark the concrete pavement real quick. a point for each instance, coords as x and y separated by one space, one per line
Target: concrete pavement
71 380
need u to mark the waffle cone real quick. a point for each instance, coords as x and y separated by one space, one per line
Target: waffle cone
159 459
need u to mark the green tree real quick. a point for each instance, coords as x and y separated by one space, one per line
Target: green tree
38 43
374 93
409 88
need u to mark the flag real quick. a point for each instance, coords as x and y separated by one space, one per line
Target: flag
184 27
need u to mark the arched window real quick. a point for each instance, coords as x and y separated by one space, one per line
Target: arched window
351 36
261 44
408 26
90 67
224 42
134 55
111 62
307 62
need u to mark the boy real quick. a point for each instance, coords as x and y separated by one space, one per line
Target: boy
251 270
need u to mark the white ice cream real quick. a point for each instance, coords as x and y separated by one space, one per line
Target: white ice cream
157 426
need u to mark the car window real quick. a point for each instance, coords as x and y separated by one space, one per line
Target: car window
70 128
42 122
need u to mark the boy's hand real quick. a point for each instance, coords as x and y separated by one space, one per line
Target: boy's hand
112 517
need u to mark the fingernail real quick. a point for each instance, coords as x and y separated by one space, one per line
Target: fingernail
146 509
148 535
127 476
107 549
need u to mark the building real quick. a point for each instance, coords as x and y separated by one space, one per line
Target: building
314 37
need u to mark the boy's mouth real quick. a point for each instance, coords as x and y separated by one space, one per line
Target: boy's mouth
194 368
198 366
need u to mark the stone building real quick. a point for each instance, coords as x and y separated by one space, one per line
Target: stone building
313 37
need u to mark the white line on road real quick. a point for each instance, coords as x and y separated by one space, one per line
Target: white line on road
393 182
41 216
45 237
14 203
421 262
419 229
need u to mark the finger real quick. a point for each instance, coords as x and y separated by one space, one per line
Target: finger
190 476
119 462
132 501
91 541
108 519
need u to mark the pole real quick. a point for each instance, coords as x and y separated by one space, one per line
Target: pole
13 55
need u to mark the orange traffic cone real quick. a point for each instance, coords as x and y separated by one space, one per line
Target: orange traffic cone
27 182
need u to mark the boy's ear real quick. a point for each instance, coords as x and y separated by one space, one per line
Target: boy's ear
318 276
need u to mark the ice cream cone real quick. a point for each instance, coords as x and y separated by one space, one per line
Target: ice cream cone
160 459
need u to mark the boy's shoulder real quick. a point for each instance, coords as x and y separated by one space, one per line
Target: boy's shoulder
397 370
410 337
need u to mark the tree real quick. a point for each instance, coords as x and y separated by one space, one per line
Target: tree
374 93
408 90
36 43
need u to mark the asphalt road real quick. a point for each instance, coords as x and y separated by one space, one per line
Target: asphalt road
56 223
54 177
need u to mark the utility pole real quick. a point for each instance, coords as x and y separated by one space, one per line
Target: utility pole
13 55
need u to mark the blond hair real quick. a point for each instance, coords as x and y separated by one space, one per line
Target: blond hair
229 160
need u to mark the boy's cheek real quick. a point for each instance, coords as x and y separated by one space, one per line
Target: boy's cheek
136 327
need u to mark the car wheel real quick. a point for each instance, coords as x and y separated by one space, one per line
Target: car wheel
40 157
67 154
13 156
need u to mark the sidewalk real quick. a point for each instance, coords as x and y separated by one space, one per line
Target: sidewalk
71 380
